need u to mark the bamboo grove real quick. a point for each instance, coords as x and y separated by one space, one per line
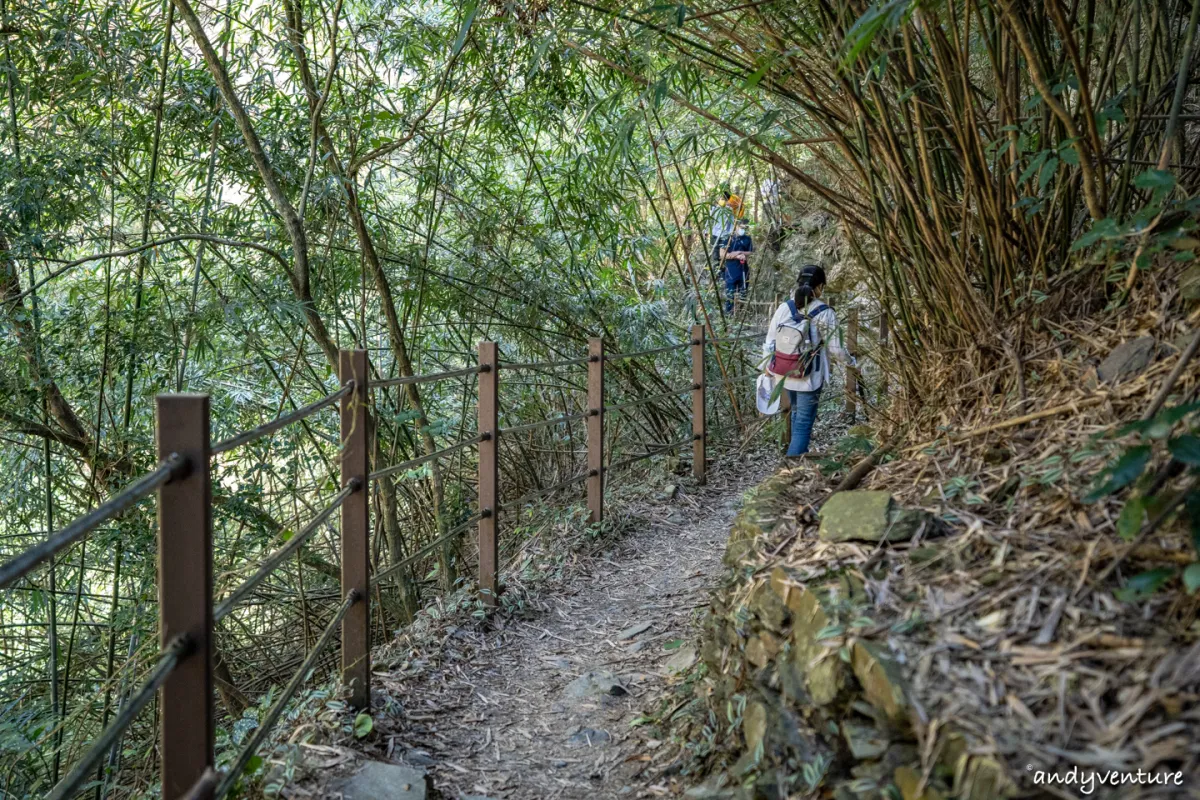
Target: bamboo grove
217 196
973 150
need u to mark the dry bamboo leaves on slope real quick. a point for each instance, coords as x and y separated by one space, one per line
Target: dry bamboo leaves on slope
1004 629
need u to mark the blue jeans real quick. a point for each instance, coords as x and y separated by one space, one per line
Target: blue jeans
735 285
804 416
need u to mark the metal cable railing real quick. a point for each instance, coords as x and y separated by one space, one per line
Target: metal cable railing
416 462
526 498
457 530
641 353
736 378
518 365
82 772
185 513
652 399
716 435
281 421
732 339
231 776
25 562
437 376
735 426
533 426
272 562
649 454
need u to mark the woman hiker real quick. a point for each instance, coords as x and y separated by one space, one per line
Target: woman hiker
802 335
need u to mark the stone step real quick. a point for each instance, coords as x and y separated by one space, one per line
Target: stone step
379 781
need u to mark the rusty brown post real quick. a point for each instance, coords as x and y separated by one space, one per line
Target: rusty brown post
489 477
356 558
699 431
185 590
852 372
595 430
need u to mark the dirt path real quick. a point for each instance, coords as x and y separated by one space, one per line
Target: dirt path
543 706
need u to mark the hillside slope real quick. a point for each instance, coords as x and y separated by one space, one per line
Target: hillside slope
1014 638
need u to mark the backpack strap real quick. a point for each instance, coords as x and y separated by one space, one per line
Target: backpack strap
797 317
813 334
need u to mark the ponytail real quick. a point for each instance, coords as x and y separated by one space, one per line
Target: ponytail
811 278
804 294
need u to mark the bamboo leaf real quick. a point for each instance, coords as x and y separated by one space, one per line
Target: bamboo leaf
1185 448
1156 180
1125 471
1191 577
468 19
1144 584
1132 516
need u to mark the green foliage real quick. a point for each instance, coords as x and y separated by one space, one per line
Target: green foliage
1124 471
500 178
1129 524
882 16
1191 578
813 772
1144 584
1160 450
1185 449
527 177
1165 225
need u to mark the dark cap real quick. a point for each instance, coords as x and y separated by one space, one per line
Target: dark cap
812 274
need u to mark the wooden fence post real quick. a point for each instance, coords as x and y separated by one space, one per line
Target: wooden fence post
699 432
852 372
595 430
185 591
356 524
489 433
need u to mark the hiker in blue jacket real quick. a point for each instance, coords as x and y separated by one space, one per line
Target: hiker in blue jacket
737 274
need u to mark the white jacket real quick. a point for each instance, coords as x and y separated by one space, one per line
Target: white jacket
829 335
721 221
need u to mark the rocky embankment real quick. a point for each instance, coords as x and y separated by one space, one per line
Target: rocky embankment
875 645
811 683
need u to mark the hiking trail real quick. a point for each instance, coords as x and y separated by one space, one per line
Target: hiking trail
543 704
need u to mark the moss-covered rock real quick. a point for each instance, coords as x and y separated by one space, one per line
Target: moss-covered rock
867 516
882 683
908 781
799 694
760 513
